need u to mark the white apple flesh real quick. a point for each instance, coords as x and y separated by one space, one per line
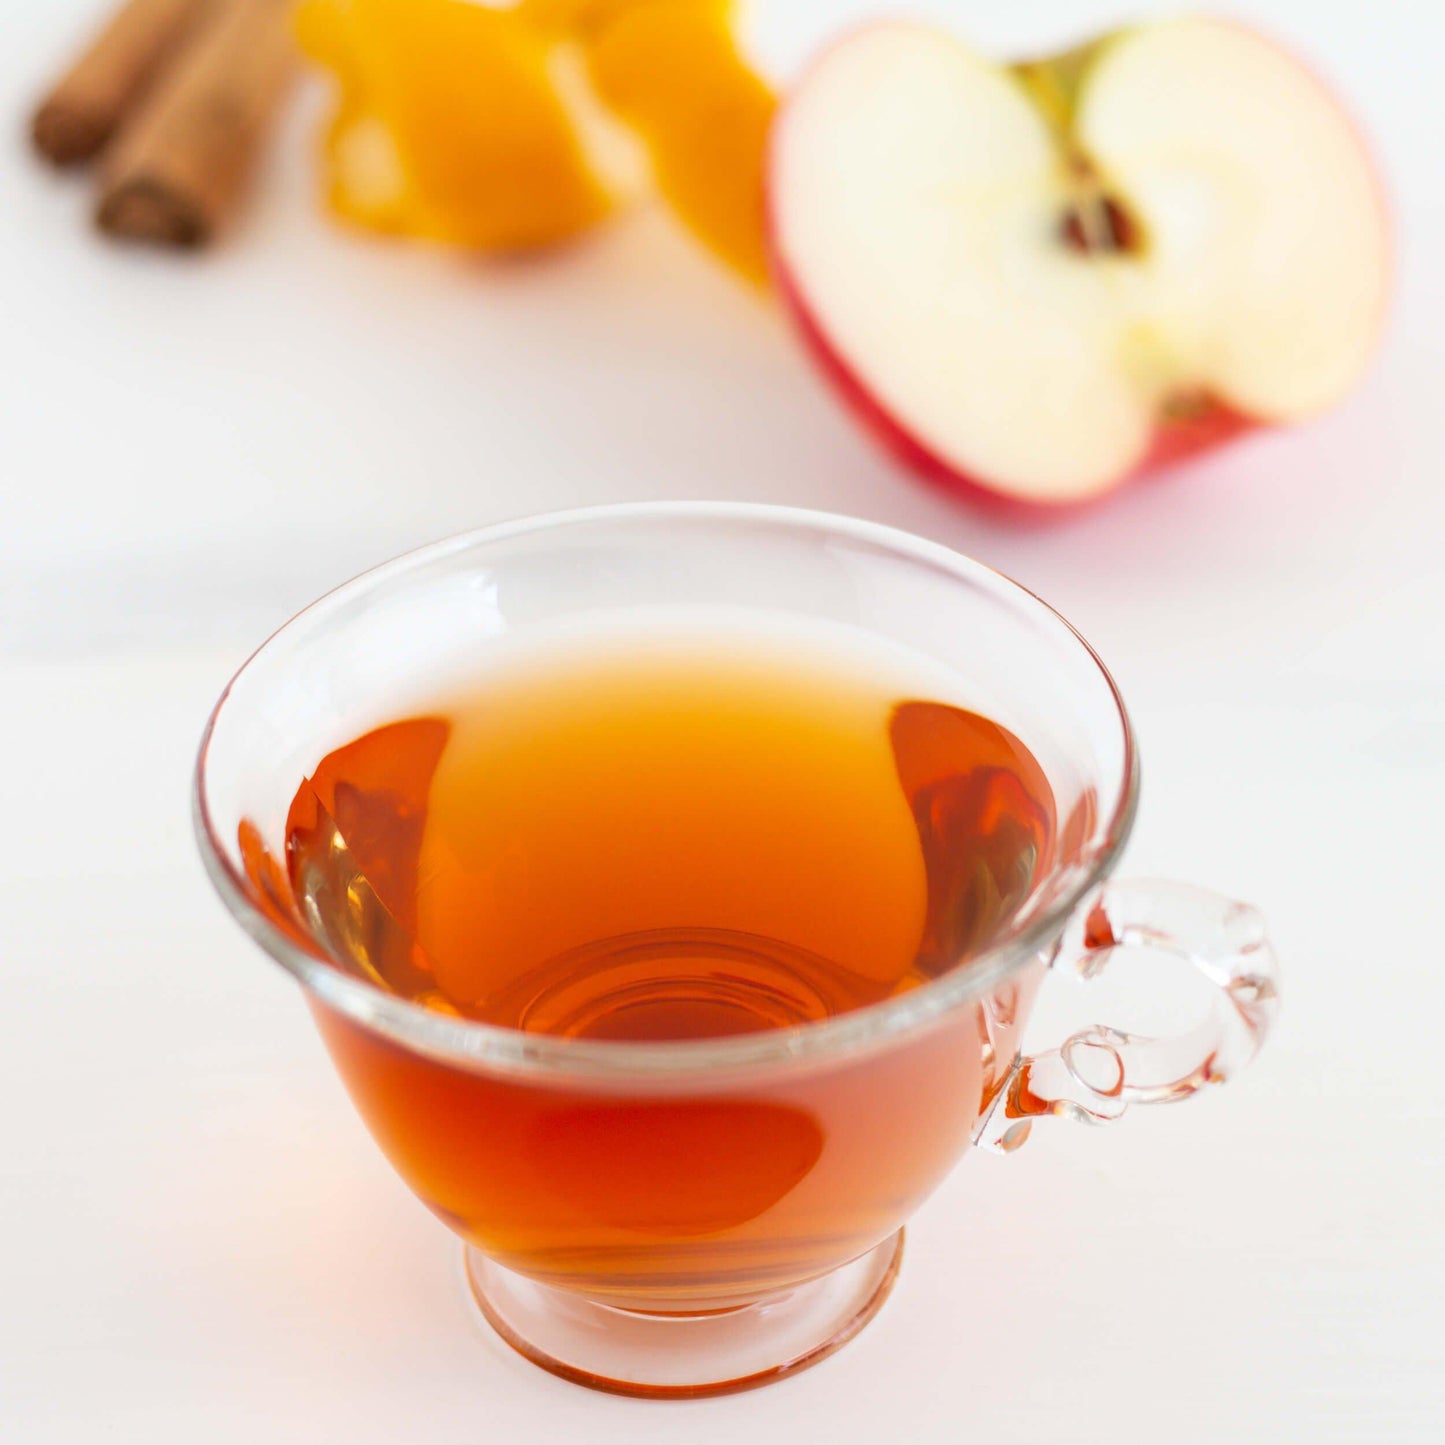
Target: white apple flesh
1041 280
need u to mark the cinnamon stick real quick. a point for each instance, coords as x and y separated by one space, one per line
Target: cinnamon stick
86 106
179 168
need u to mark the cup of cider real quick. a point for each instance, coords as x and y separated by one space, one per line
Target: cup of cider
671 885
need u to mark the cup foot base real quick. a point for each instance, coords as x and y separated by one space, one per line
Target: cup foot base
680 1356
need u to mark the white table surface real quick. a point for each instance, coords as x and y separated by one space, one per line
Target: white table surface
199 1243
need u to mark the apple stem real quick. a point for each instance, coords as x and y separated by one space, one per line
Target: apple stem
1094 222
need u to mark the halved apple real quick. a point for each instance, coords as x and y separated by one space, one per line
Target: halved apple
1044 278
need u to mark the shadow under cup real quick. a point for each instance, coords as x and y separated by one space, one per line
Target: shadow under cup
671 1217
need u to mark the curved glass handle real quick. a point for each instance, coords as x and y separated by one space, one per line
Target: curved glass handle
1097 1073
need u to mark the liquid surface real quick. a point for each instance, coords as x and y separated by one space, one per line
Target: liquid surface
678 843
660 848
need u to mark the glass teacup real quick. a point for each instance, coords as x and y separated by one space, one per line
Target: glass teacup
686 1217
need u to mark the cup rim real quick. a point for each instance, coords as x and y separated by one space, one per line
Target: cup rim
476 1045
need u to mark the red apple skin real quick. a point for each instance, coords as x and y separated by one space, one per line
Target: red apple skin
1210 424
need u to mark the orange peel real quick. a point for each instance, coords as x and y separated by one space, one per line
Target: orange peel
450 124
672 71
506 129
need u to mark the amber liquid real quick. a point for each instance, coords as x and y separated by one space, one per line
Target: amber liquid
664 844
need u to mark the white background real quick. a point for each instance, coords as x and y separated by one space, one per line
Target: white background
197 1240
